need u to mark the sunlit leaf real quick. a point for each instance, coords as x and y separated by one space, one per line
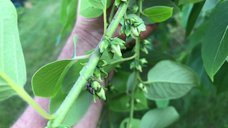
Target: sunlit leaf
12 61
215 40
158 13
170 80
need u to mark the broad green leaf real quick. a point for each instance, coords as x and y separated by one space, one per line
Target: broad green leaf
170 80
121 102
158 13
82 103
215 40
132 82
135 123
78 109
159 118
119 83
193 16
162 103
48 79
181 2
12 61
88 10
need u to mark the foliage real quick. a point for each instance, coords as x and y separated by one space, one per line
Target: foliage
167 80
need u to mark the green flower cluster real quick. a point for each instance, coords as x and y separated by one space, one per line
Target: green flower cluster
132 25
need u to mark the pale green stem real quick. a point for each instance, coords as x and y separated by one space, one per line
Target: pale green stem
137 53
85 73
105 16
25 96
111 13
121 60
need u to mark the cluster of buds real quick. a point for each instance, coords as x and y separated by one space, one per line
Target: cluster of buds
142 87
96 89
132 25
113 45
138 64
147 45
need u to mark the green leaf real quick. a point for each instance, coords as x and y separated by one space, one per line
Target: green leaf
221 79
12 61
82 103
78 109
88 10
99 4
132 82
159 118
181 2
215 40
158 13
48 79
135 123
170 80
121 102
193 16
162 103
68 16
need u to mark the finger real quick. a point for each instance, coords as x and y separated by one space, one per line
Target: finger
30 118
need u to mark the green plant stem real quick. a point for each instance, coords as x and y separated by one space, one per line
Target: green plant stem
111 13
137 57
140 6
25 96
105 16
86 72
121 60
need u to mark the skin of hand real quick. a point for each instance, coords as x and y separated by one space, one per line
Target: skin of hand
88 33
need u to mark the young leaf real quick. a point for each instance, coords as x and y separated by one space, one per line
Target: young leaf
158 13
88 10
215 40
159 118
12 62
48 79
170 80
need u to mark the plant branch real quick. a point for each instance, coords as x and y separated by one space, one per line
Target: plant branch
86 72
25 96
121 60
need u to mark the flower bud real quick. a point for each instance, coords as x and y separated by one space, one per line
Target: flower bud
101 94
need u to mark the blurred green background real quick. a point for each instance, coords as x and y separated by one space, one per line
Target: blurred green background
40 26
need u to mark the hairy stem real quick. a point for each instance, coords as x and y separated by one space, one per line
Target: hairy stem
25 96
86 72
